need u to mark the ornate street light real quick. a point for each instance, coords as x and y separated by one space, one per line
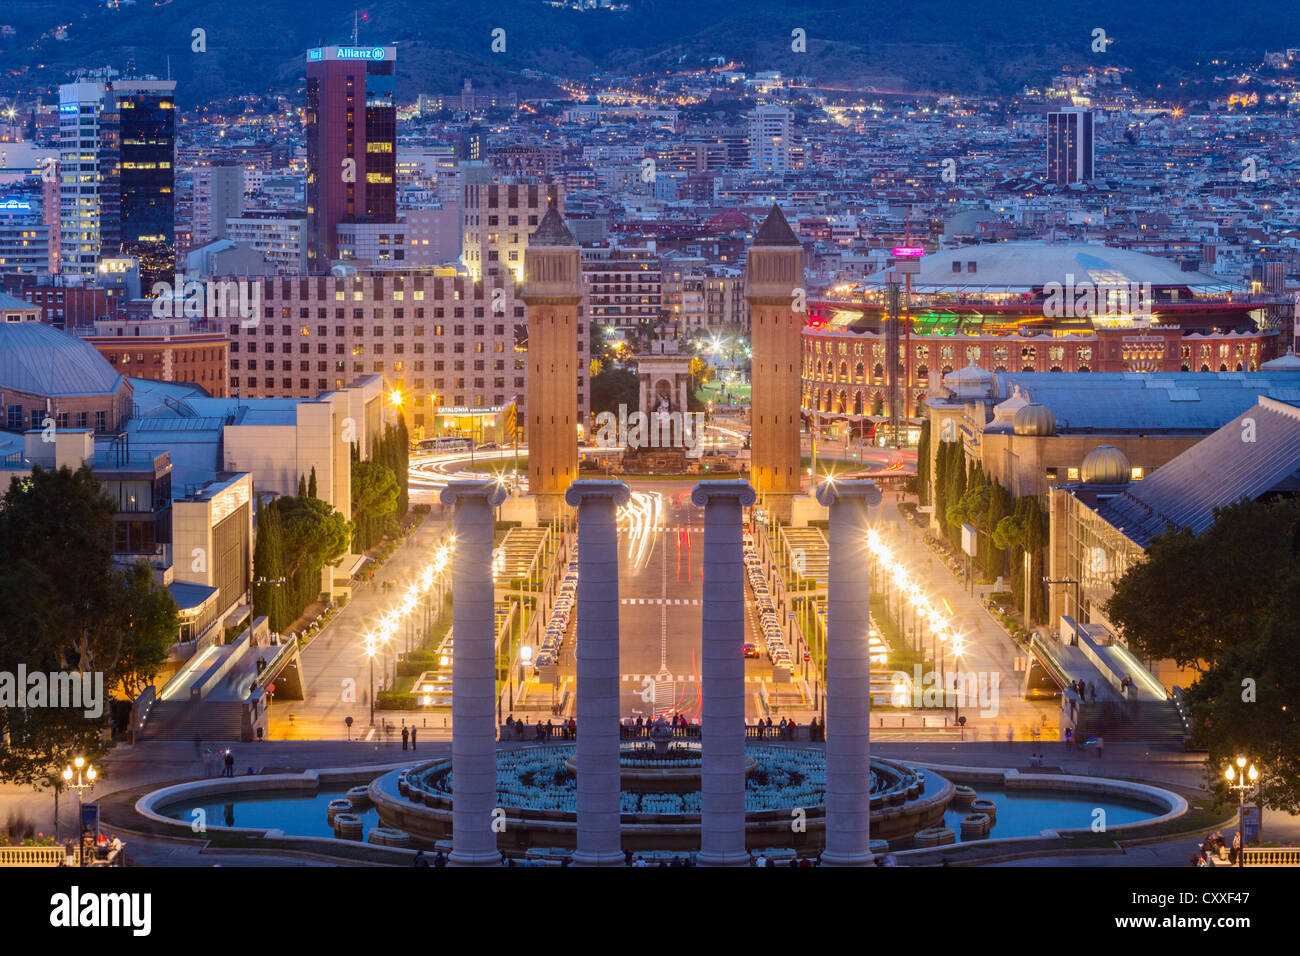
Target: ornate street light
1242 779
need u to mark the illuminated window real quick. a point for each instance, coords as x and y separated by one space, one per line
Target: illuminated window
1136 473
1072 474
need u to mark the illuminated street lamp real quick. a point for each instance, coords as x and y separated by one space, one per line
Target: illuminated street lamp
85 779
1242 779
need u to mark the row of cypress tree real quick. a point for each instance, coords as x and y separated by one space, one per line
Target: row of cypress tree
1008 527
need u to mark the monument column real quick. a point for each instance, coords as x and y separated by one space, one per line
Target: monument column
848 674
473 675
599 793
773 271
722 674
552 291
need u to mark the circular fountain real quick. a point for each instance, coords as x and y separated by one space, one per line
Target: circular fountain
785 797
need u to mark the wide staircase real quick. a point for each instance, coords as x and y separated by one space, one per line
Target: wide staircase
1148 721
211 720
1109 716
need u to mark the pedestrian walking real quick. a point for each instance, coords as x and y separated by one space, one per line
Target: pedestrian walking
230 764
1069 738
406 736
413 733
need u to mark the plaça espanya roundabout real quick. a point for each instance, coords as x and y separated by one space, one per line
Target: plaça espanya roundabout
785 798
408 806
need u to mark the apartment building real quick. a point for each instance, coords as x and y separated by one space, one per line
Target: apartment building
449 349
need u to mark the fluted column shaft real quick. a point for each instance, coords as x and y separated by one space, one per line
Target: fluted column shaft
848 674
599 798
722 674
473 675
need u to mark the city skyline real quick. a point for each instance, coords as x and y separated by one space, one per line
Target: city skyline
722 441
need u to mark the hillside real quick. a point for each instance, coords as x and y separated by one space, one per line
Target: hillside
257 46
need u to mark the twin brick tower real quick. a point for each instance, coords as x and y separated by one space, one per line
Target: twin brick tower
552 291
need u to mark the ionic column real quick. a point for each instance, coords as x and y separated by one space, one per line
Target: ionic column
722 674
599 800
473 675
848 674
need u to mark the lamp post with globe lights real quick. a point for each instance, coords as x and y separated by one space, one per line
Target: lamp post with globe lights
1242 778
86 775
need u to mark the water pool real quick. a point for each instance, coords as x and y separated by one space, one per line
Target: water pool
1023 813
297 814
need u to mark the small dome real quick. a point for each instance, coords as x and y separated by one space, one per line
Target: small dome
1005 412
970 382
1286 363
1034 419
1105 465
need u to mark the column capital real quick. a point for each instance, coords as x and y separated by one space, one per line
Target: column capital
492 492
865 489
737 488
580 491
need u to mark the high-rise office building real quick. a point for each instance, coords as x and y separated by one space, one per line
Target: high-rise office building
1069 146
771 135
218 197
117 177
351 127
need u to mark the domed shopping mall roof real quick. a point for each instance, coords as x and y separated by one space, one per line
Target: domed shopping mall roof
1105 465
1034 419
1023 267
39 359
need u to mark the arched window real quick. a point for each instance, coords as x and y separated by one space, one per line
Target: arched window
878 371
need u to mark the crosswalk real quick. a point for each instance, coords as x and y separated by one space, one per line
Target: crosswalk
657 679
675 601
